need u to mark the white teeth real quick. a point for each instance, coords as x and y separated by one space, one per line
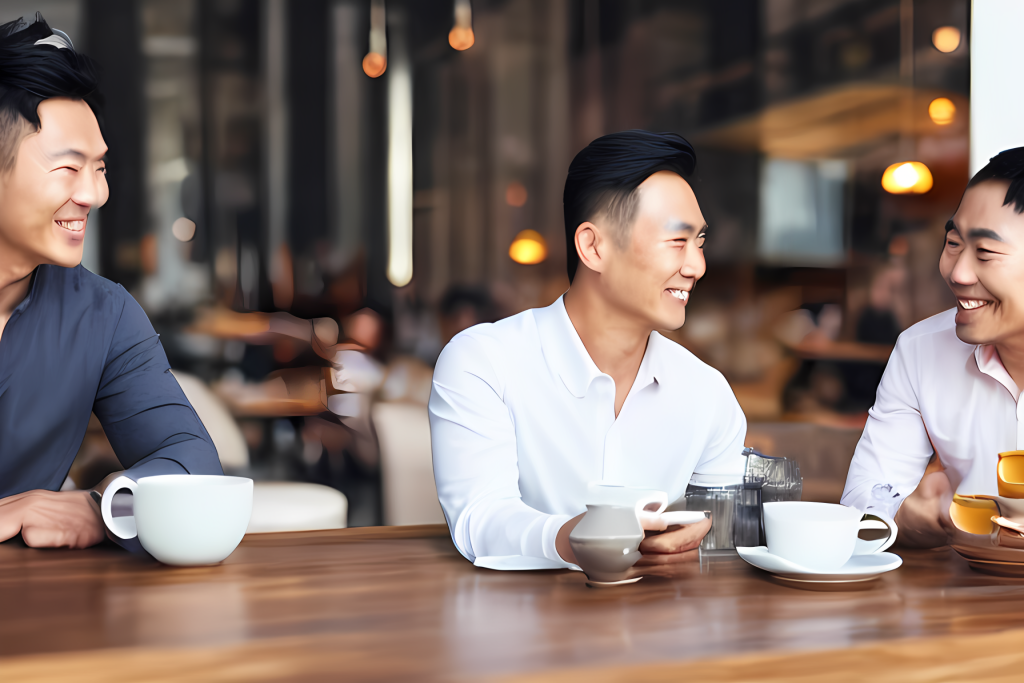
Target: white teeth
680 294
970 304
73 226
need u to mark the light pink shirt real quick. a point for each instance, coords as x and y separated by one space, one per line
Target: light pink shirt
939 395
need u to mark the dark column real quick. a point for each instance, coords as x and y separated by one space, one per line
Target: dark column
112 35
308 31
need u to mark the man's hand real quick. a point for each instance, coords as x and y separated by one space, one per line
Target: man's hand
923 519
47 519
673 545
659 550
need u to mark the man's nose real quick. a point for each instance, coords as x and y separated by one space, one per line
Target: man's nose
88 191
963 270
693 264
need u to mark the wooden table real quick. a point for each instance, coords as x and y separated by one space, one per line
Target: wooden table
400 604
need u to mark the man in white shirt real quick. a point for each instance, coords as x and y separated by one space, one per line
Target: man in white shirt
952 385
528 411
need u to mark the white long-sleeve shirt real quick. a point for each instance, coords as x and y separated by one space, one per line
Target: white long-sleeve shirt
522 420
938 395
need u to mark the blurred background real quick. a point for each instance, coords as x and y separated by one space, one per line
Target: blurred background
393 174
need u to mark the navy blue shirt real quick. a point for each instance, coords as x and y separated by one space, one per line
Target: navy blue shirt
80 344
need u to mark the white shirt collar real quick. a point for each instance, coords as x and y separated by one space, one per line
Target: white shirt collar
991 364
568 358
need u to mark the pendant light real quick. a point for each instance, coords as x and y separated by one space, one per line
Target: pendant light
461 36
908 176
376 60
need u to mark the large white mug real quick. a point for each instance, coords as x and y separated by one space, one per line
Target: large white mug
182 519
822 537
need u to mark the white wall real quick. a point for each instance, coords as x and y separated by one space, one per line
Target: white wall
997 99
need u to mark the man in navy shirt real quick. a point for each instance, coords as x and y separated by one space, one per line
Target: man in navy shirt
71 342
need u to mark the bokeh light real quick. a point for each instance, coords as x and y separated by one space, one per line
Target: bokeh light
183 229
946 38
515 194
374 64
942 111
907 177
461 38
528 248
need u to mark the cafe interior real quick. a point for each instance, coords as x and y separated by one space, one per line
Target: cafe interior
379 175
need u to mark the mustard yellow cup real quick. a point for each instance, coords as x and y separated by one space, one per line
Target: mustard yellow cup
973 515
1010 474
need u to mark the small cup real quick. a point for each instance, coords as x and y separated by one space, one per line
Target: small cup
183 519
1010 474
822 537
606 541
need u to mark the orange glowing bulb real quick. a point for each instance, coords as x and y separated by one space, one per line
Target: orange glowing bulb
374 64
907 177
942 111
528 248
946 38
461 38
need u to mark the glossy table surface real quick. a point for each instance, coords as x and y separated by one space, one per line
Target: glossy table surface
400 603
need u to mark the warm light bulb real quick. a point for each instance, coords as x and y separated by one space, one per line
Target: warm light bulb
907 177
946 38
942 111
374 64
529 247
461 38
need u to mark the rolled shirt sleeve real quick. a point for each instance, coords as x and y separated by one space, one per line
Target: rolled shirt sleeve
894 450
475 467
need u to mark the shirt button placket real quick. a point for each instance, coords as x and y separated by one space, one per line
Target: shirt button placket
1020 424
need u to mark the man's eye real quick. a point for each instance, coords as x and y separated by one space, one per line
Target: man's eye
951 244
700 239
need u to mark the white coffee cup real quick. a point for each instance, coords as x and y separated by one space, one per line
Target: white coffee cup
822 537
182 519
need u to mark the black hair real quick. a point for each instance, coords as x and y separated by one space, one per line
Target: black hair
604 176
1007 165
38 63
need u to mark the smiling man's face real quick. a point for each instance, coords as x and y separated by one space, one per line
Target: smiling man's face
983 264
58 177
653 275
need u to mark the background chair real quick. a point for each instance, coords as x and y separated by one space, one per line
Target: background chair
276 505
407 469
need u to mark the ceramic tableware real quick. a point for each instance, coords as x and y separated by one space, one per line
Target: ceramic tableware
822 537
858 568
182 519
606 541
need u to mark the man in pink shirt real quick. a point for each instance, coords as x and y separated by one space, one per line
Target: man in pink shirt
952 386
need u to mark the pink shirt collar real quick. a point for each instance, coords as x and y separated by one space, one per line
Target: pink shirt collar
991 364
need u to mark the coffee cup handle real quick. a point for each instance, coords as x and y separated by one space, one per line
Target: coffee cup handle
122 527
876 520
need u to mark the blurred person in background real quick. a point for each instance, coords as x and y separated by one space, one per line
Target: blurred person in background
951 390
71 342
528 411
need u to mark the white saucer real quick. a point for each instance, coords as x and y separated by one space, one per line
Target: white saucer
859 568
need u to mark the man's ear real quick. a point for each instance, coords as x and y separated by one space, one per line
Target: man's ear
590 246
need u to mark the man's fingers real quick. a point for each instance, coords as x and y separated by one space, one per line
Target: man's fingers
10 525
41 537
676 540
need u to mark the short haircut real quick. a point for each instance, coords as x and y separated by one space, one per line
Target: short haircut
604 177
36 64
1007 165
